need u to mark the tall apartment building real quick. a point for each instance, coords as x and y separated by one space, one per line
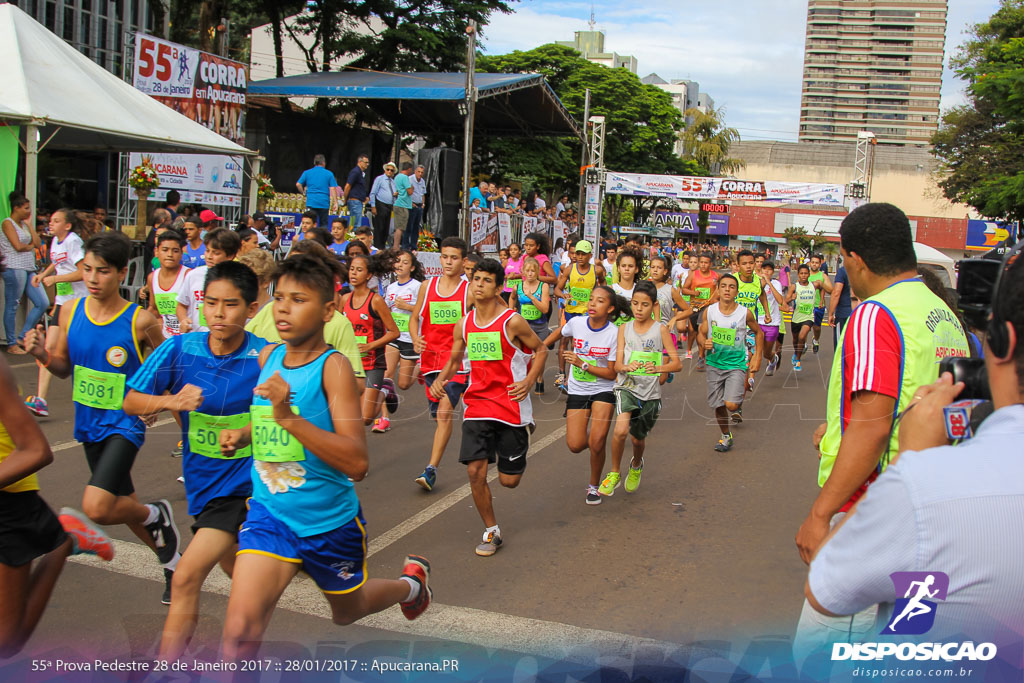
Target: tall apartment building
590 44
872 65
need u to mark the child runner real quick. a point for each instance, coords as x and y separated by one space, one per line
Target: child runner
308 447
630 265
575 284
209 377
195 247
612 275
537 245
700 285
669 299
29 531
374 328
776 303
513 271
100 340
723 335
221 245
339 242
638 362
591 401
442 302
801 296
505 359
822 284
167 282
64 272
533 302
400 297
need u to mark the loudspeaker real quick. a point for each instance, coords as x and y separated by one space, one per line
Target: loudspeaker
443 173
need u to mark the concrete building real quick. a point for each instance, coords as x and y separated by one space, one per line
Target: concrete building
685 94
590 44
872 65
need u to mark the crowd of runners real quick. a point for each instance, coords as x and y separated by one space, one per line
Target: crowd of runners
277 371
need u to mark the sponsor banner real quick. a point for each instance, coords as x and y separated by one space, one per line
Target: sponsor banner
686 222
696 188
199 178
592 213
483 232
431 262
987 235
504 230
529 225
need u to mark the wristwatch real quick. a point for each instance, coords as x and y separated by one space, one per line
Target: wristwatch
585 367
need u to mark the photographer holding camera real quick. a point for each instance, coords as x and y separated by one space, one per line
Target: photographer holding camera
954 509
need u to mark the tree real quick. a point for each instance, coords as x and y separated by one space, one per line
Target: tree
707 141
640 122
980 145
800 241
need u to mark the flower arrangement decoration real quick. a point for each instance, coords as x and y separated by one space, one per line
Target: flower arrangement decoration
144 177
426 242
264 188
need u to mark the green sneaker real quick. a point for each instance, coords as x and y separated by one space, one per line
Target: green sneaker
610 483
633 477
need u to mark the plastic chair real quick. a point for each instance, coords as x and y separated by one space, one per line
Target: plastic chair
135 280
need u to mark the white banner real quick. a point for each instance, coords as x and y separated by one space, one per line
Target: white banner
592 214
529 225
690 187
504 230
477 227
431 262
559 232
199 178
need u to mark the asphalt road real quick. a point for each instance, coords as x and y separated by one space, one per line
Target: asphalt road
701 556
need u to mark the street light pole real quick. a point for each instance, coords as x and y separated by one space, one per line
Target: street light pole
470 111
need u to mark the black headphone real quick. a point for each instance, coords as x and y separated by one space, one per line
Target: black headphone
996 334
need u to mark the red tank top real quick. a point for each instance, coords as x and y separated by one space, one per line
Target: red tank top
495 362
437 324
368 327
702 282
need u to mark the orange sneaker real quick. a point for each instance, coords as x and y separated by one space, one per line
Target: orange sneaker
418 569
89 538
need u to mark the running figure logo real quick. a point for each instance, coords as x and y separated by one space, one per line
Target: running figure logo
914 613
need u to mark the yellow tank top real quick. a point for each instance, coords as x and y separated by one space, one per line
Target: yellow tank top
29 483
580 288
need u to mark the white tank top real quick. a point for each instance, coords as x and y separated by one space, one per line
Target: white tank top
167 302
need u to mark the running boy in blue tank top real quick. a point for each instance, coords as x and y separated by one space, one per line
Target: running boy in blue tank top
100 343
308 445
209 377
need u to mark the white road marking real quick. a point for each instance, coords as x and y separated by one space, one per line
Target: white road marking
385 539
447 622
64 445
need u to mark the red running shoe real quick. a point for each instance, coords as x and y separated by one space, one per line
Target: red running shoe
89 538
418 569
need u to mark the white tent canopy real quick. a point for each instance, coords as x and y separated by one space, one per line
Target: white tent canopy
51 85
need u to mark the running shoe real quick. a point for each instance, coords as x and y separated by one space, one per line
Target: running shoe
770 370
177 451
750 384
417 569
390 396
164 533
816 345
560 382
610 483
724 444
181 480
88 538
381 425
428 478
689 355
539 388
737 417
492 541
37 406
633 477
593 496
798 367
701 366
168 577
793 360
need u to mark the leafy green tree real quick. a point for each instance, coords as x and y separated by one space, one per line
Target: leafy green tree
707 141
980 144
800 241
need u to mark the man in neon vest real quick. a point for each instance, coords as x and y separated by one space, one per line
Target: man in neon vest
891 346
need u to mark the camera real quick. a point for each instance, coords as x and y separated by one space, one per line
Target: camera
975 289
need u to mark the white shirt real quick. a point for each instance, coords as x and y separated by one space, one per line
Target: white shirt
539 204
773 305
65 257
679 274
407 293
594 347
191 296
559 208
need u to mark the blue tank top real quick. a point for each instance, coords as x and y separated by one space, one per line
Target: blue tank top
103 356
297 487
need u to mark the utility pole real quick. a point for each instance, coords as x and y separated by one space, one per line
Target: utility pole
469 111
584 161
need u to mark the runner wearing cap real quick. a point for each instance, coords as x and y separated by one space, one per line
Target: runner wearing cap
574 287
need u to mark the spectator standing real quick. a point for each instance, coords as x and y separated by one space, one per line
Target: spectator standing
18 242
411 237
480 192
172 202
268 232
356 194
896 338
403 202
382 200
839 304
560 206
318 184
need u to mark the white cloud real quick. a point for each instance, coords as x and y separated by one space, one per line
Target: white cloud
746 54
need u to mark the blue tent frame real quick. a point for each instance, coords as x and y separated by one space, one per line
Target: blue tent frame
429 103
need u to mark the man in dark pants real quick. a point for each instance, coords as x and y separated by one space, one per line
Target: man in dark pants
318 184
839 304
382 200
411 237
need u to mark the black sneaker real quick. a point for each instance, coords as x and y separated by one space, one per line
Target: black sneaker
390 396
164 532
168 576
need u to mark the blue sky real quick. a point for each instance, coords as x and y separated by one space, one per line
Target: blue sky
746 54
